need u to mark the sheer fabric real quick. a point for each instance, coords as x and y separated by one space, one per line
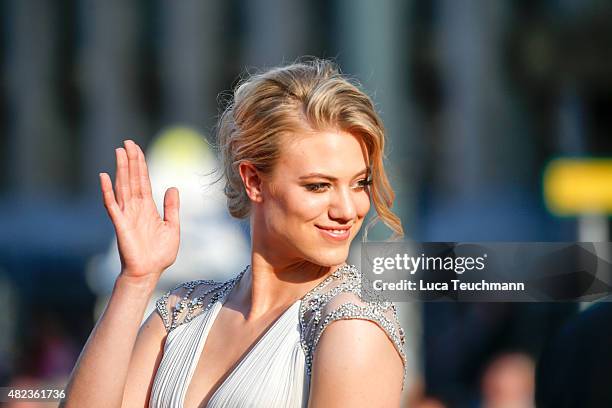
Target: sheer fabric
276 371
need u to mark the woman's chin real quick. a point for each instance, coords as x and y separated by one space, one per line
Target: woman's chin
329 257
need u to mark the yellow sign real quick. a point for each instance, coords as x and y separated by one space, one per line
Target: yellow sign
579 186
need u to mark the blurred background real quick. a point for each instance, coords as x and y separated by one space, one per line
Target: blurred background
477 97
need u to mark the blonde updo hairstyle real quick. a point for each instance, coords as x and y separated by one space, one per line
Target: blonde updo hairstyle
269 107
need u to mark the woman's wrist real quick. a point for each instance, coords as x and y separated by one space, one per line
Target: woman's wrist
140 286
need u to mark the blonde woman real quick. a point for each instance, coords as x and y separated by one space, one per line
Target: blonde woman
302 150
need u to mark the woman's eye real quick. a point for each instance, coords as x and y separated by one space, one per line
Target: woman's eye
364 183
317 187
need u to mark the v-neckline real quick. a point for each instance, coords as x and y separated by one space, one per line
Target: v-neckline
218 305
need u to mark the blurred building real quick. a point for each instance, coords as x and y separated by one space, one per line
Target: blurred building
477 96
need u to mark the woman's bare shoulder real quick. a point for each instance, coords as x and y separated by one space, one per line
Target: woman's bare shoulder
342 297
347 355
347 335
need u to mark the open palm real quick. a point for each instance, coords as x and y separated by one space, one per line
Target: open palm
147 243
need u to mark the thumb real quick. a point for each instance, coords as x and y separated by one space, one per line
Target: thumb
171 206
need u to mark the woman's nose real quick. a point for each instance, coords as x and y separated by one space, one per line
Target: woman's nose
342 207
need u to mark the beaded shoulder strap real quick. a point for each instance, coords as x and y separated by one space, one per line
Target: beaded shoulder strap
340 297
189 299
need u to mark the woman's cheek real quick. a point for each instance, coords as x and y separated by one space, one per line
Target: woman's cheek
311 205
363 204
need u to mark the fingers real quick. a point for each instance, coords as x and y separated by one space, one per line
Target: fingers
108 196
171 206
133 168
145 182
122 186
132 179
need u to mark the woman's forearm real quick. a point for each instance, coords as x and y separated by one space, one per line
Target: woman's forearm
99 376
147 244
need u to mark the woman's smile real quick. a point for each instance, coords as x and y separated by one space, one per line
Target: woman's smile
335 234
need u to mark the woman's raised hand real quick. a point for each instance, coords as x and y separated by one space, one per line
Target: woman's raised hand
147 243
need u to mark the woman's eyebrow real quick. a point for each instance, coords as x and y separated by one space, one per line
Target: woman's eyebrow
328 177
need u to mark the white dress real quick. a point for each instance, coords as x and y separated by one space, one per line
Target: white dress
276 370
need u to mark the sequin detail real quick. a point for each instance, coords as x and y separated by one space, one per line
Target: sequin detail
341 296
187 308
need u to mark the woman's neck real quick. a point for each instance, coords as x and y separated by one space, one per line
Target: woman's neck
268 287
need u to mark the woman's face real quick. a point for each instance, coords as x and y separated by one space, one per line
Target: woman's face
316 198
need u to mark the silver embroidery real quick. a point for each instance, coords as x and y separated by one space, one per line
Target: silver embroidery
317 311
187 308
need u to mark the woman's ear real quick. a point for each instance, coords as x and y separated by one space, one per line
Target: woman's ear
252 181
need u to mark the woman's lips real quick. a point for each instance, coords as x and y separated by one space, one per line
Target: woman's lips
335 234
